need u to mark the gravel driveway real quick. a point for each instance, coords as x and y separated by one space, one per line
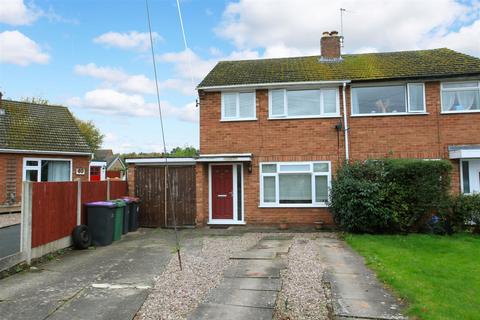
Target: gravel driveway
177 293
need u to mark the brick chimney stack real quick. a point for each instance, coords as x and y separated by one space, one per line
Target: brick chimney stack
330 44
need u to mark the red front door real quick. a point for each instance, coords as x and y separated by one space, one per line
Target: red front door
222 192
95 173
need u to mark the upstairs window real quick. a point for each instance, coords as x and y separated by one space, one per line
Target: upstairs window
303 103
392 99
238 106
461 97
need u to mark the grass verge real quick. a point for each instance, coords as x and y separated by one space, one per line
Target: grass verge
438 276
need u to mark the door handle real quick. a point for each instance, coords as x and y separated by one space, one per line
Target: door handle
221 195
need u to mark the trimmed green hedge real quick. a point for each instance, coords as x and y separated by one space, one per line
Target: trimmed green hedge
393 195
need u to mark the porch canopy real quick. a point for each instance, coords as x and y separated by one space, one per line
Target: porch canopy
464 151
225 157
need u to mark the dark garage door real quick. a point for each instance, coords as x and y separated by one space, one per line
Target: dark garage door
150 187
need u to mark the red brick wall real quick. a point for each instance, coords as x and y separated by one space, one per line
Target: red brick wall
410 136
78 162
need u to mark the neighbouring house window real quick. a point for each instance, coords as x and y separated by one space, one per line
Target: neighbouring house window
46 170
303 103
465 177
461 96
238 105
294 184
409 98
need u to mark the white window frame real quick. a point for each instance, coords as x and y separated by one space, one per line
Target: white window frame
237 113
442 89
386 114
276 174
38 167
285 105
424 97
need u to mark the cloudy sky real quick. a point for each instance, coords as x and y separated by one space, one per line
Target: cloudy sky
94 55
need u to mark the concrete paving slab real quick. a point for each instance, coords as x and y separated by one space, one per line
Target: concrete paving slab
251 284
255 254
277 237
356 292
23 310
245 298
361 308
64 286
222 312
107 304
255 269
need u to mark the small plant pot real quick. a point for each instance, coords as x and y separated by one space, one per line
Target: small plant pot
319 225
283 226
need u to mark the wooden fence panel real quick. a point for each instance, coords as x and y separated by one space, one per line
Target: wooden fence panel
54 211
118 189
92 191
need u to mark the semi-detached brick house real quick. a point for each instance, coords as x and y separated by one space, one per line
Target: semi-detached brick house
273 131
38 143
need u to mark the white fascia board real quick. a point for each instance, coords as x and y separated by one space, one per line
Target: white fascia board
225 159
161 161
98 163
465 154
271 85
213 155
46 152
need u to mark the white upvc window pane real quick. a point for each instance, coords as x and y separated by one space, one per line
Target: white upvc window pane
229 105
294 167
416 97
55 171
31 175
246 105
269 189
372 100
295 188
320 167
461 100
321 188
455 85
278 102
303 103
329 101
269 168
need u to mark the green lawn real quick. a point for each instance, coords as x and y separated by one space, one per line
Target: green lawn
438 276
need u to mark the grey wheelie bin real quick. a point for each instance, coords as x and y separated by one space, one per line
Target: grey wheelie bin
101 220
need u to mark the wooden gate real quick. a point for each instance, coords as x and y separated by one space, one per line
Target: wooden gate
150 187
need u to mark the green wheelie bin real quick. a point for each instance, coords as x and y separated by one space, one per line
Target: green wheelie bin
118 219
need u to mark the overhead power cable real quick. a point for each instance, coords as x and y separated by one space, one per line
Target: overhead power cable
177 242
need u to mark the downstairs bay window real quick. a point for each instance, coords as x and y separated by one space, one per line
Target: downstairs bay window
51 170
294 184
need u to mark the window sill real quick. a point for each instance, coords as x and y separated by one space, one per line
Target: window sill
238 120
460 112
293 206
395 114
304 117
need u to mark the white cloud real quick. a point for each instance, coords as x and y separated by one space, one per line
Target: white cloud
275 26
16 48
113 102
15 12
130 40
